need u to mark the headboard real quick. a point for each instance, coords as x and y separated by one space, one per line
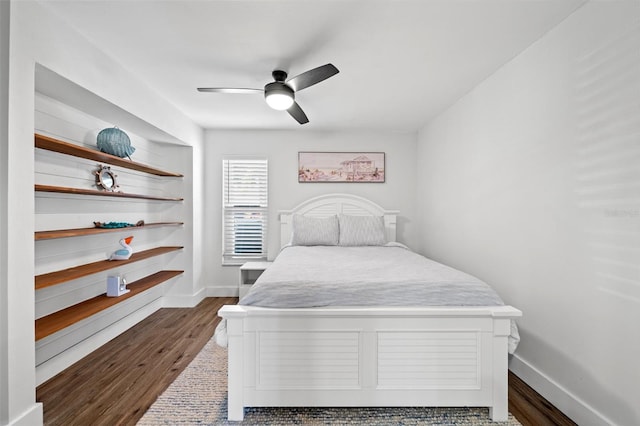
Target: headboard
330 204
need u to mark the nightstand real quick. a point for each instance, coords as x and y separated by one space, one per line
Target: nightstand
249 273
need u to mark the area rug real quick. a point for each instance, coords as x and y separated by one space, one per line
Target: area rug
199 397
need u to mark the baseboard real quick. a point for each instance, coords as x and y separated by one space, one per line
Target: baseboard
222 291
572 406
55 365
184 301
31 417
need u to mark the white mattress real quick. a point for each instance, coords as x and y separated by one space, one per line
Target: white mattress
391 275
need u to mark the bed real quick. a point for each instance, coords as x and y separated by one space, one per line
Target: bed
366 351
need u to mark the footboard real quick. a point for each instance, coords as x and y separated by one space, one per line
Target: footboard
368 357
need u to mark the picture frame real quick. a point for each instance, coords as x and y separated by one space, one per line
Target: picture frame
341 167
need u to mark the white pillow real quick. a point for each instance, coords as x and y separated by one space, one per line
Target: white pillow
314 231
361 230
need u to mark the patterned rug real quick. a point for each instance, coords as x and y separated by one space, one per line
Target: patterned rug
199 397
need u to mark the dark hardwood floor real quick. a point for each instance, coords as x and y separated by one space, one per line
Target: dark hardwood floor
117 383
532 409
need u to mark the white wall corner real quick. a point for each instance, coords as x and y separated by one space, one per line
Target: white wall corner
572 406
4 246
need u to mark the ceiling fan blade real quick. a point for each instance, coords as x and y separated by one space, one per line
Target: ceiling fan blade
311 77
229 90
296 112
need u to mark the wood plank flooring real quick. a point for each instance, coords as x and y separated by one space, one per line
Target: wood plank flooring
117 383
530 408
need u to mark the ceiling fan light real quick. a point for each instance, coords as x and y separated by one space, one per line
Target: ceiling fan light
279 101
278 95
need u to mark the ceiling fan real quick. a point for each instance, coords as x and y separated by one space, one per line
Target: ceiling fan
280 94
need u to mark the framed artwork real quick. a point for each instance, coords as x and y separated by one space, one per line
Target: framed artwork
341 167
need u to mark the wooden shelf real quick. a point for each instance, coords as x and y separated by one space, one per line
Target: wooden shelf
79 191
56 321
77 232
55 145
57 277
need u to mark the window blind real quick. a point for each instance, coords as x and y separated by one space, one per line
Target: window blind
245 206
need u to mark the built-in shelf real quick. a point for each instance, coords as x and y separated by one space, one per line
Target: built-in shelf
80 191
57 277
78 232
59 320
51 144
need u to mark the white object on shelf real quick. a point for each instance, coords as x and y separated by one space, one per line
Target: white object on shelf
249 273
116 286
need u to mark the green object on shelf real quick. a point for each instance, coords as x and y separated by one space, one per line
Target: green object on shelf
113 225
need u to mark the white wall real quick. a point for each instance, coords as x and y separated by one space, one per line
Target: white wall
198 222
531 182
37 36
281 148
21 406
4 142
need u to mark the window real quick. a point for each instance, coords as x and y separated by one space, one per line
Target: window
244 206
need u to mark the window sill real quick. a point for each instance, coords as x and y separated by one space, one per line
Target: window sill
240 262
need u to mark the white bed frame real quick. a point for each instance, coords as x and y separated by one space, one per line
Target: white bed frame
364 356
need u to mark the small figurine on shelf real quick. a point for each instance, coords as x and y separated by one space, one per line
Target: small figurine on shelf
116 286
123 253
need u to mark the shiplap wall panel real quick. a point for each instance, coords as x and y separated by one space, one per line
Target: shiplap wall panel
54 211
55 298
56 254
55 119
76 172
56 343
84 210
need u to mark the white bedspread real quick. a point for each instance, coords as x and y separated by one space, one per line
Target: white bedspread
391 275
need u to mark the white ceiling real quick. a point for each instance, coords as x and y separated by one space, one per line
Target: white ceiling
401 62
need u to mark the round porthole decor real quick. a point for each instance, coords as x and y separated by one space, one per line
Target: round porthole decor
106 179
